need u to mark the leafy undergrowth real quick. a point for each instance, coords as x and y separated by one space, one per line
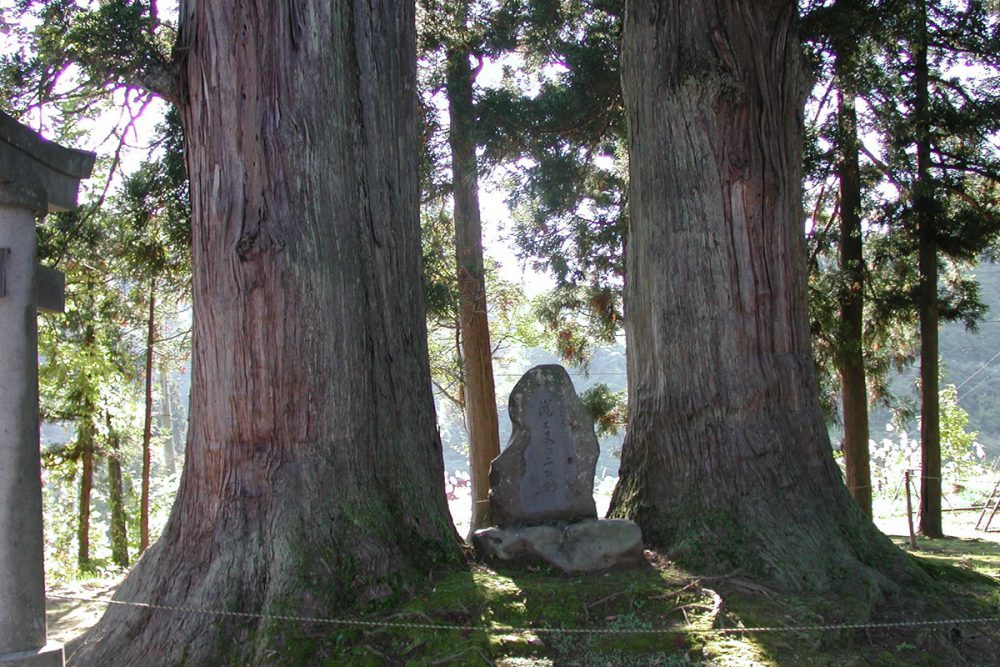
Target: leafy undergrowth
518 616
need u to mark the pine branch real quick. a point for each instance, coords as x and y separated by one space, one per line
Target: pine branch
963 165
116 160
968 199
882 167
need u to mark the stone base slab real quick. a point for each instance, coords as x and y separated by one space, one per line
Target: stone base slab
585 546
50 655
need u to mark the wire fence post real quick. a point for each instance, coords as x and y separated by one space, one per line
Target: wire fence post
909 508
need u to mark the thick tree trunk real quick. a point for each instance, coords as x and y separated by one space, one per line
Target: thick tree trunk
313 478
851 359
727 461
86 440
930 430
167 424
147 424
477 353
116 498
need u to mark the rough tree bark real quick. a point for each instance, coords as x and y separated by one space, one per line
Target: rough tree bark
930 423
727 461
481 419
313 476
851 359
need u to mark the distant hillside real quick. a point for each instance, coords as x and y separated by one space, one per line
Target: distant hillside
971 362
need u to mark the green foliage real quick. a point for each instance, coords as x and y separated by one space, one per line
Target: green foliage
890 339
437 237
561 146
511 321
71 63
972 363
866 49
962 457
72 56
960 191
580 318
556 125
154 211
606 407
86 372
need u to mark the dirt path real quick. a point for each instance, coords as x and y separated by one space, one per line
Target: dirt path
67 619
961 525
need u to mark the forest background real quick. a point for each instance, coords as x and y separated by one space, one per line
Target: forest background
114 374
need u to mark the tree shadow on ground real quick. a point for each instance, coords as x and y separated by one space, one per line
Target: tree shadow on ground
659 614
962 586
519 615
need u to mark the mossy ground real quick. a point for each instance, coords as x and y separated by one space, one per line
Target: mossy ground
508 607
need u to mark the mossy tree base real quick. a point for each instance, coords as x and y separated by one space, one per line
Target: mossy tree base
726 460
313 472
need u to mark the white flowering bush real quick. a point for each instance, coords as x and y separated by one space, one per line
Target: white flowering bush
964 470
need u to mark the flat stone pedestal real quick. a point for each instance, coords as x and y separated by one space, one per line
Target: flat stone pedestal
585 546
47 656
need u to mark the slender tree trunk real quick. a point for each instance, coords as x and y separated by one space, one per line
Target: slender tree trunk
477 353
167 424
147 428
86 440
116 498
930 430
313 478
851 360
726 460
178 418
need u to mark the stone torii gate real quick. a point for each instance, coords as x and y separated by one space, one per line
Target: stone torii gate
36 176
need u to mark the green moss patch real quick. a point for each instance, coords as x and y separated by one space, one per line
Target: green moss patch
660 614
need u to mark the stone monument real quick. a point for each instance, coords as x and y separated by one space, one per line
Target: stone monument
546 472
542 484
36 176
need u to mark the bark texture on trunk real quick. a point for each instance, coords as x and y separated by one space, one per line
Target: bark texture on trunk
477 352
313 478
727 461
851 358
930 422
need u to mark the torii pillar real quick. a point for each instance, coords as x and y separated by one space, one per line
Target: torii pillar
36 176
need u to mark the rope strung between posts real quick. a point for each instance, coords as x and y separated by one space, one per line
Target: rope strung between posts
400 625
